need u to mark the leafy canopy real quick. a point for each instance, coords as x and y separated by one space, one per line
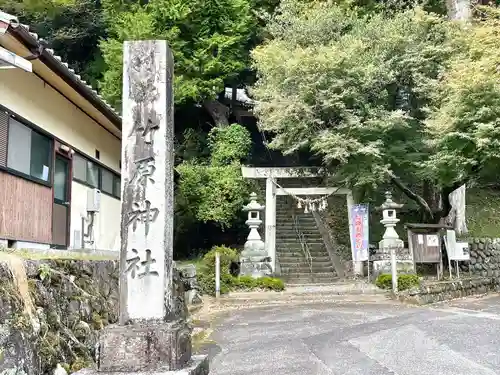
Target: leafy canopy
214 189
208 39
465 120
353 88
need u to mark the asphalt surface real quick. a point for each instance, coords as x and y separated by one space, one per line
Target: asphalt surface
349 338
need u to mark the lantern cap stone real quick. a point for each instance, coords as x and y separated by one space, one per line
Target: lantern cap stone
253 205
389 203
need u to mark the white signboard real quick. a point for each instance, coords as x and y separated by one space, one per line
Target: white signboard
9 60
456 250
420 239
432 240
462 251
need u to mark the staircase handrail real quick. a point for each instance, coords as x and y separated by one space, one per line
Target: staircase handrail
303 242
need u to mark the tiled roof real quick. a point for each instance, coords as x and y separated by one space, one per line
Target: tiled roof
241 96
14 23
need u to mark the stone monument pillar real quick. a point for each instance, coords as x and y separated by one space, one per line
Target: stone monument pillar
152 334
254 258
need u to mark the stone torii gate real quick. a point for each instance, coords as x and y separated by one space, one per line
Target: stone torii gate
271 174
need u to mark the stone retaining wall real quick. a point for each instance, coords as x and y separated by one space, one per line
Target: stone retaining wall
52 310
447 290
484 257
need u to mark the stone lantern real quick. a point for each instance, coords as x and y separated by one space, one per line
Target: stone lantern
391 245
389 219
254 258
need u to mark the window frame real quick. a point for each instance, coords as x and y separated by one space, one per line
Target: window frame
33 128
100 167
53 140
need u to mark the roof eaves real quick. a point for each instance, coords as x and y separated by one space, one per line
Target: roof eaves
241 96
48 57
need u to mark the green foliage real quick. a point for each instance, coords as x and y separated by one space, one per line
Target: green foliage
215 190
229 144
72 28
405 281
353 89
483 213
208 39
465 118
206 274
406 98
249 283
44 271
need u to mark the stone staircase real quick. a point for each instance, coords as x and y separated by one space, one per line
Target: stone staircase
301 253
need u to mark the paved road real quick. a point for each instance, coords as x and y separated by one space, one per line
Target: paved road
458 338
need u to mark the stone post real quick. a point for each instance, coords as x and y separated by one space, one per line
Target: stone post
254 258
271 221
152 334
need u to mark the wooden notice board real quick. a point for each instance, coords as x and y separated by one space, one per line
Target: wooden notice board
426 247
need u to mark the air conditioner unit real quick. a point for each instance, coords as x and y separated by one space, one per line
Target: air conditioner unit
93 200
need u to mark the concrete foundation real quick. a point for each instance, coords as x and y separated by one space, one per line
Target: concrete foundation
198 365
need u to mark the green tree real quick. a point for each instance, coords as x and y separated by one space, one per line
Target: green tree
355 89
465 120
208 39
72 28
213 189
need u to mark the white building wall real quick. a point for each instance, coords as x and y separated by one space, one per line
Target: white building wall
30 97
106 232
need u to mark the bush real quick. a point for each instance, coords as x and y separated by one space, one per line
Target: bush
248 282
206 274
405 281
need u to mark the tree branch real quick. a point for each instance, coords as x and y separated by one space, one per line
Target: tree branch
411 194
218 111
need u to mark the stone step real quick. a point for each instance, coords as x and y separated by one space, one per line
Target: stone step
289 259
292 231
318 244
297 263
293 237
302 228
289 222
314 261
308 278
294 251
289 245
286 218
298 249
304 268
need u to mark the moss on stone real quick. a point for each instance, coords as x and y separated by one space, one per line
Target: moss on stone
49 347
97 321
80 363
73 301
66 367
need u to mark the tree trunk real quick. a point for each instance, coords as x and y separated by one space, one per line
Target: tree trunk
218 111
459 9
396 181
456 216
330 244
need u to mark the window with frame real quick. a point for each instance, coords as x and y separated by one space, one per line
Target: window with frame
28 152
94 175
